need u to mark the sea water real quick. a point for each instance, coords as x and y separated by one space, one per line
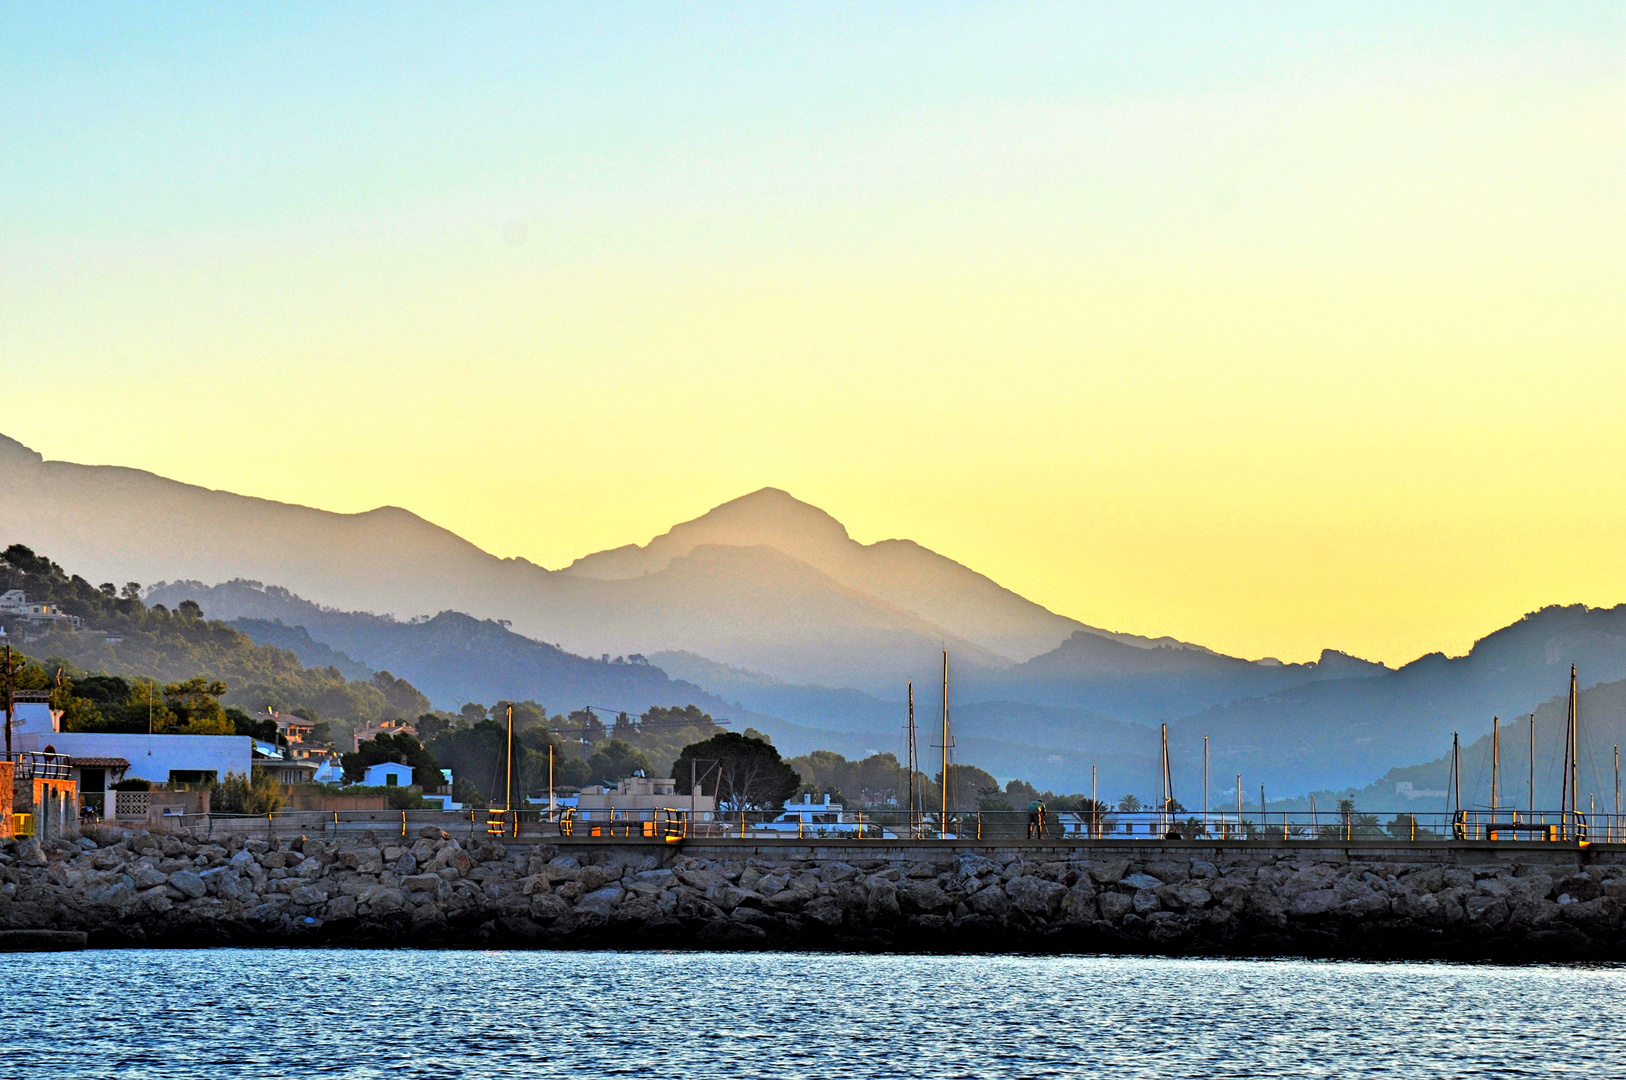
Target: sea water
712 1016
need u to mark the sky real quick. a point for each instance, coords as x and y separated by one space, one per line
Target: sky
1271 327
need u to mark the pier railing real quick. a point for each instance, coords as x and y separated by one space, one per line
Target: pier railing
672 825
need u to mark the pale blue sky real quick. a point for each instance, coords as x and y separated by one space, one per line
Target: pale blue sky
1271 326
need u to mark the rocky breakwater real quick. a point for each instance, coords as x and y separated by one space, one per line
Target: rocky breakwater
1505 902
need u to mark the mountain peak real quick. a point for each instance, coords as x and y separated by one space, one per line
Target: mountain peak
14 453
767 517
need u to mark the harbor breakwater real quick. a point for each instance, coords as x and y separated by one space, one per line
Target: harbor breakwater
1447 899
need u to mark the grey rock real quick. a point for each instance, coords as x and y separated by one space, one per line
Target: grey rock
145 877
545 907
991 901
1079 904
601 901
1314 902
1109 871
1036 896
188 883
921 897
1114 905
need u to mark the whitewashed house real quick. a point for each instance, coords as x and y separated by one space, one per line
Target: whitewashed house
388 774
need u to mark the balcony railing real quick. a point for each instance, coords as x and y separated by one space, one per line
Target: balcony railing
39 766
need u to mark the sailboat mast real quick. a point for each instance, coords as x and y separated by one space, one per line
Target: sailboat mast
912 820
1205 779
508 789
945 740
1163 783
1456 774
1496 759
1575 744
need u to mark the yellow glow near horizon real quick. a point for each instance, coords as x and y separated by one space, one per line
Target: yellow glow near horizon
1335 362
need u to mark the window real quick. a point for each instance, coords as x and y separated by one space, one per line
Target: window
193 776
391 780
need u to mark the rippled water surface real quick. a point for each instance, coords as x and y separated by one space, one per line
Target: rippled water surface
302 1013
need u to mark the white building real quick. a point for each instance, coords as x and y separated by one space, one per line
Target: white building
162 759
18 612
388 774
646 793
329 771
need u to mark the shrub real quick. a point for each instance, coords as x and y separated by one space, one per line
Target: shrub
237 794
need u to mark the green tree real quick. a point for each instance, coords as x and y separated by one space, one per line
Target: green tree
748 775
401 698
195 704
616 760
399 748
968 785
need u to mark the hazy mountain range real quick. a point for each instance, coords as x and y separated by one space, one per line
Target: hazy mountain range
766 608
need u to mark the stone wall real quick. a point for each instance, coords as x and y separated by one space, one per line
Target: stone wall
1505 901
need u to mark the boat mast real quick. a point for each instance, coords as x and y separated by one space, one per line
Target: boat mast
1496 759
945 741
912 822
508 793
1205 779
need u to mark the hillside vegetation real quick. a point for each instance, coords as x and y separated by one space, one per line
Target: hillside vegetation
143 646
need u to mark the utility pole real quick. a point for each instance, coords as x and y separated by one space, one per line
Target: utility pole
1239 801
1532 768
551 803
1095 806
913 823
1617 786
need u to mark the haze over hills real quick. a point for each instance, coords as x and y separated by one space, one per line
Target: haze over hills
764 582
452 658
766 610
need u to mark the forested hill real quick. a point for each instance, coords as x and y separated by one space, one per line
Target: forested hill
454 658
171 646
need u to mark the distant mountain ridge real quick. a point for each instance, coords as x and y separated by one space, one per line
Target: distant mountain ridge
763 582
453 658
768 611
